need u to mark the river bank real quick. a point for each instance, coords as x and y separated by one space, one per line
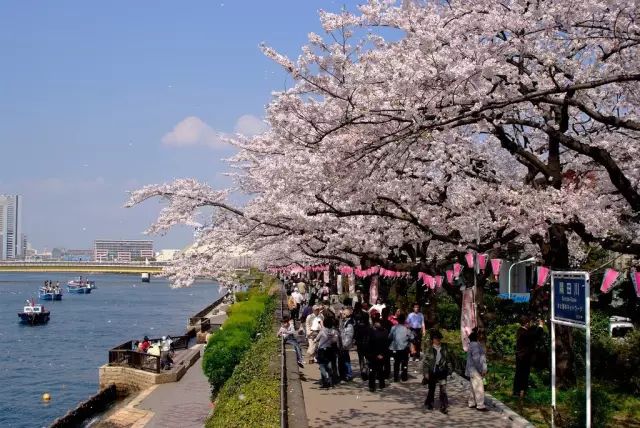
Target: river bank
62 358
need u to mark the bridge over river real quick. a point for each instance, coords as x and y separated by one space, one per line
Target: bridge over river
82 267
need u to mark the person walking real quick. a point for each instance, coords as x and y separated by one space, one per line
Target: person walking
415 322
436 369
385 320
313 324
526 338
346 343
297 298
476 370
377 347
361 336
400 337
327 341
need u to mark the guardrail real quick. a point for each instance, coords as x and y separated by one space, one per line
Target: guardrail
284 411
125 355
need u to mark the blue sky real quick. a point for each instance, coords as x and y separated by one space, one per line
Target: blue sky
92 91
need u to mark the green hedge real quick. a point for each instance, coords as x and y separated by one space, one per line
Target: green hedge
228 345
251 396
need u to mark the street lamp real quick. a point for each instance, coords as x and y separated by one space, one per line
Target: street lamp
529 260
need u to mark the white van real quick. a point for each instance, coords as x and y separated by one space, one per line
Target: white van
619 327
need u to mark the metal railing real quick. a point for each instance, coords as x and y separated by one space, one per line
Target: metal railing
125 355
284 411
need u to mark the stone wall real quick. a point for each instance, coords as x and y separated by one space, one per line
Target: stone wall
129 380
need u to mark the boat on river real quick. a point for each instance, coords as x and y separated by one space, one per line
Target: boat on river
45 293
80 285
34 314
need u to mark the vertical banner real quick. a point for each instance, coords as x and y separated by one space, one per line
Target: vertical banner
467 316
339 284
635 279
325 276
352 284
373 290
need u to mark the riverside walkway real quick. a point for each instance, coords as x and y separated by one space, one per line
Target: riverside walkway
184 404
352 404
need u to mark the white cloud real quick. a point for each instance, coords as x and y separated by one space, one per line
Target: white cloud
192 131
249 125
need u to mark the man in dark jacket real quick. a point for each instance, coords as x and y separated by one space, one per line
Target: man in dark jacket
360 336
526 338
377 347
436 369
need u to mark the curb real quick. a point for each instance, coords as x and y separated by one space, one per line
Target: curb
491 401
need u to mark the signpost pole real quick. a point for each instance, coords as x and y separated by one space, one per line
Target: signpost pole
553 356
587 305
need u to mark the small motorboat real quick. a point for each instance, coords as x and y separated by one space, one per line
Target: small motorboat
78 289
80 285
45 293
34 314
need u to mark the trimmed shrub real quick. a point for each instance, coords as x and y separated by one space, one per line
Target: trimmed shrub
250 397
228 345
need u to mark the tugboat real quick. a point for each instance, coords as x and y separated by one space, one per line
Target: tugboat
34 314
80 286
45 293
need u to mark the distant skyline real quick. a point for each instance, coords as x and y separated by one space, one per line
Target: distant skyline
102 98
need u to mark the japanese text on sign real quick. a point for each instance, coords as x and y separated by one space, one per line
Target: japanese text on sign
569 299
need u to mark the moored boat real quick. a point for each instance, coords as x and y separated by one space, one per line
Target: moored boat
34 314
49 294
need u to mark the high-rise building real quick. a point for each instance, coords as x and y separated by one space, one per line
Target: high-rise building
124 250
11 227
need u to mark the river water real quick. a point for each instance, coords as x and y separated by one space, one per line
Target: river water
62 357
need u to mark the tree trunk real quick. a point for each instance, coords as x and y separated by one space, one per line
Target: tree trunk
556 255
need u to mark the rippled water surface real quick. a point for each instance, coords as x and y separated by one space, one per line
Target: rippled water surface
63 357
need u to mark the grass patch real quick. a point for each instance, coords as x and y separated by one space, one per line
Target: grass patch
251 396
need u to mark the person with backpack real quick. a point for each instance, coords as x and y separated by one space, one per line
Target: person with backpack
327 341
436 369
346 342
400 337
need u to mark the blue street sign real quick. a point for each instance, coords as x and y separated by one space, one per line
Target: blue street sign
569 298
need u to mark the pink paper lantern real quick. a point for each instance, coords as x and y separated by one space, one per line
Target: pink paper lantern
469 257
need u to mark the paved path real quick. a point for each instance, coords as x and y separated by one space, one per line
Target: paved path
183 404
351 404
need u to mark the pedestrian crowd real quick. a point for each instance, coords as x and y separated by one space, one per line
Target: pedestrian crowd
384 344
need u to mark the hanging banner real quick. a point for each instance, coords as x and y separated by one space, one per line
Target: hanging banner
339 284
373 290
467 316
325 275
543 275
457 268
449 274
482 261
635 279
439 280
469 257
352 284
608 280
495 267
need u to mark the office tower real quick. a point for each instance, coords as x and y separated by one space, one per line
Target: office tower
11 227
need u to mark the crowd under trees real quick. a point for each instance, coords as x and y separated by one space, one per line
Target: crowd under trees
416 131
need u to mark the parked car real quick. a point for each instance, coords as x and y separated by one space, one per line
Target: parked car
619 327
